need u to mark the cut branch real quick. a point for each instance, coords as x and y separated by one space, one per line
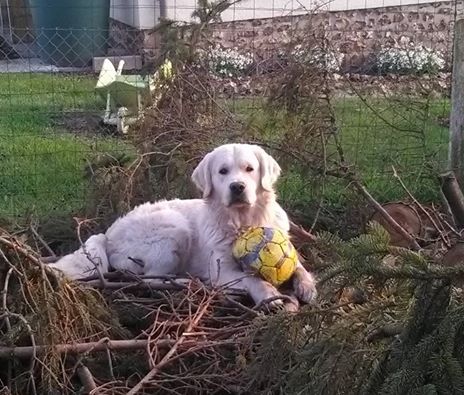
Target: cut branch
86 378
78 348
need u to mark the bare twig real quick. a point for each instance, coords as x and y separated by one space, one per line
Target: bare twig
143 284
4 298
33 348
7 318
96 261
42 241
169 355
11 244
109 358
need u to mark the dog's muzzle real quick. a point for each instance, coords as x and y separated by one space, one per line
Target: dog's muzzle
237 193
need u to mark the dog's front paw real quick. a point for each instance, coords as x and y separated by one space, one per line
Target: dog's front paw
291 304
266 295
304 287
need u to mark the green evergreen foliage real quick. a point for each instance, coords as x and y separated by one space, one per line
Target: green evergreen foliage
332 349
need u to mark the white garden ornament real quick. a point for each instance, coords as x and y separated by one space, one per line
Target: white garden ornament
127 95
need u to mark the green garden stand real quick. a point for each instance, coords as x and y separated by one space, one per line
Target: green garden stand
127 95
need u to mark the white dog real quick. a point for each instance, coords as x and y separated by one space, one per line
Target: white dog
194 237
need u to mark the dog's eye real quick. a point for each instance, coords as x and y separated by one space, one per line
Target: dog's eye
223 171
249 169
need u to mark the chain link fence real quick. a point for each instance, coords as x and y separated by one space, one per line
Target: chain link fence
385 66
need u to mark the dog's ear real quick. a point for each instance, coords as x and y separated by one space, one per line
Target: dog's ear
269 168
202 176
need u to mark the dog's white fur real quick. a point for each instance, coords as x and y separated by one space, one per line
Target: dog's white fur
195 236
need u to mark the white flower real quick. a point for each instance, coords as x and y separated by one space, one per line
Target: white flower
226 62
323 59
415 58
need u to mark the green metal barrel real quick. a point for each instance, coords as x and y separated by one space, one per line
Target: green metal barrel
69 33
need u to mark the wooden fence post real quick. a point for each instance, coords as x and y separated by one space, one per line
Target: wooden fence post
456 141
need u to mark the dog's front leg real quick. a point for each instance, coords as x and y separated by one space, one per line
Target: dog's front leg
304 284
227 273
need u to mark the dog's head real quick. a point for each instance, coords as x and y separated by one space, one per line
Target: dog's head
236 174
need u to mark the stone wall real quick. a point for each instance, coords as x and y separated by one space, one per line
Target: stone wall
356 33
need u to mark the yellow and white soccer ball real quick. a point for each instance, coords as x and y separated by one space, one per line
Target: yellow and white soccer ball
267 251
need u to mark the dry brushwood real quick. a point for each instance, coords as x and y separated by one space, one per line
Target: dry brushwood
188 122
38 306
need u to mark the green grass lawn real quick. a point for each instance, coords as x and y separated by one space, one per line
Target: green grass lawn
41 163
376 134
397 132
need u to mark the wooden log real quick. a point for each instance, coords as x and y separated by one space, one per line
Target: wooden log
454 196
406 217
454 256
412 243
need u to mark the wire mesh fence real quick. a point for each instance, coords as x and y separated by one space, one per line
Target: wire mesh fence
375 74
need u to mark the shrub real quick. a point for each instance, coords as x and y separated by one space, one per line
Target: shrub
416 59
323 59
225 62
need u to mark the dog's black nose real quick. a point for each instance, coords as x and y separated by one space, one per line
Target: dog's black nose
237 188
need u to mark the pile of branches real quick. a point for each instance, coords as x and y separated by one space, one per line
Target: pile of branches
153 334
385 317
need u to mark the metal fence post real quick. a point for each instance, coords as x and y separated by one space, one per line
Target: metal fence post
456 142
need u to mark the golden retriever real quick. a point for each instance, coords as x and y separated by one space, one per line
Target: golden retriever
194 237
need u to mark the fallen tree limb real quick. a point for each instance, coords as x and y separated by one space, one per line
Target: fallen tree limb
26 352
145 284
155 285
78 348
